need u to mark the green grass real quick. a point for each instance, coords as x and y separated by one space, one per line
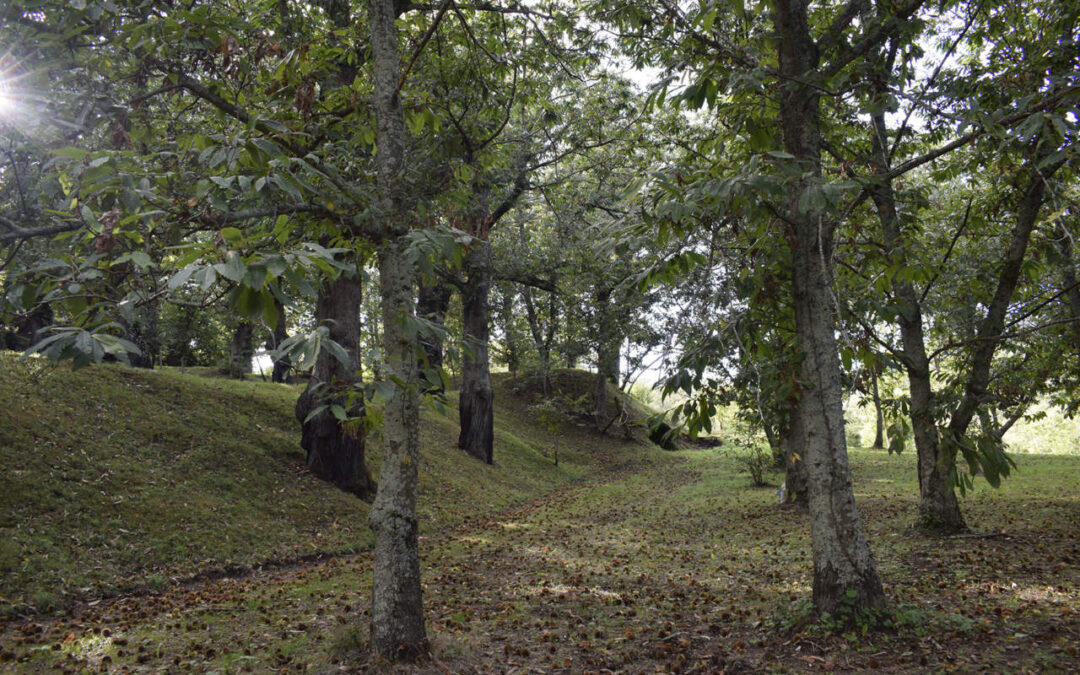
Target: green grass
623 557
115 478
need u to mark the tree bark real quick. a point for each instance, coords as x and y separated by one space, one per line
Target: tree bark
794 462
241 350
939 509
991 327
432 303
476 402
879 415
336 453
397 609
283 365
543 338
845 576
608 346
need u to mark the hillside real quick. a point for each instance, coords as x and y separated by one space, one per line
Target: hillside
115 479
147 506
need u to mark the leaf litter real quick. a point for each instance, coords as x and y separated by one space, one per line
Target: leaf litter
668 565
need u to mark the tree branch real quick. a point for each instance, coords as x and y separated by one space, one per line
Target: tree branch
19 233
423 43
873 38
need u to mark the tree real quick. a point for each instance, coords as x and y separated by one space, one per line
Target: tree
939 446
335 447
397 610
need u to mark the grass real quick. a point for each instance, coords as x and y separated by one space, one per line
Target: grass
115 479
623 558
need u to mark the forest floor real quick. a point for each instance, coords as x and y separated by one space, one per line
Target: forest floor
672 565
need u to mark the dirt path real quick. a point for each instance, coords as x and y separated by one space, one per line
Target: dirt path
675 568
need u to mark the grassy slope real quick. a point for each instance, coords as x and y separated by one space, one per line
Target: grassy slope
113 478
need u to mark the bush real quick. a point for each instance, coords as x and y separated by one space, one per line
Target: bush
754 454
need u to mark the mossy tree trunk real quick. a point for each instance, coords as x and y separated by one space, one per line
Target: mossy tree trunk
608 348
938 507
335 452
476 404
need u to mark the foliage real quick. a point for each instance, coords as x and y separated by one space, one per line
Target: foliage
556 413
752 453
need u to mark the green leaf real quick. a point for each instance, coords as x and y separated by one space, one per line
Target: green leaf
141 259
233 270
337 351
71 153
182 277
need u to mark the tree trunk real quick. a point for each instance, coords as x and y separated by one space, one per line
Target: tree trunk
335 453
542 338
283 365
939 509
776 444
30 327
475 408
432 303
845 576
879 415
608 346
397 609
241 350
143 331
795 492
989 331
512 344
1064 244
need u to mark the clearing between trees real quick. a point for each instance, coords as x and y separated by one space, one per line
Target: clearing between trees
623 558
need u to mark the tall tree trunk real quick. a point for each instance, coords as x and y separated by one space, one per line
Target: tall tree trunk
241 350
397 608
476 403
879 415
283 365
845 576
608 346
939 509
336 453
432 303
